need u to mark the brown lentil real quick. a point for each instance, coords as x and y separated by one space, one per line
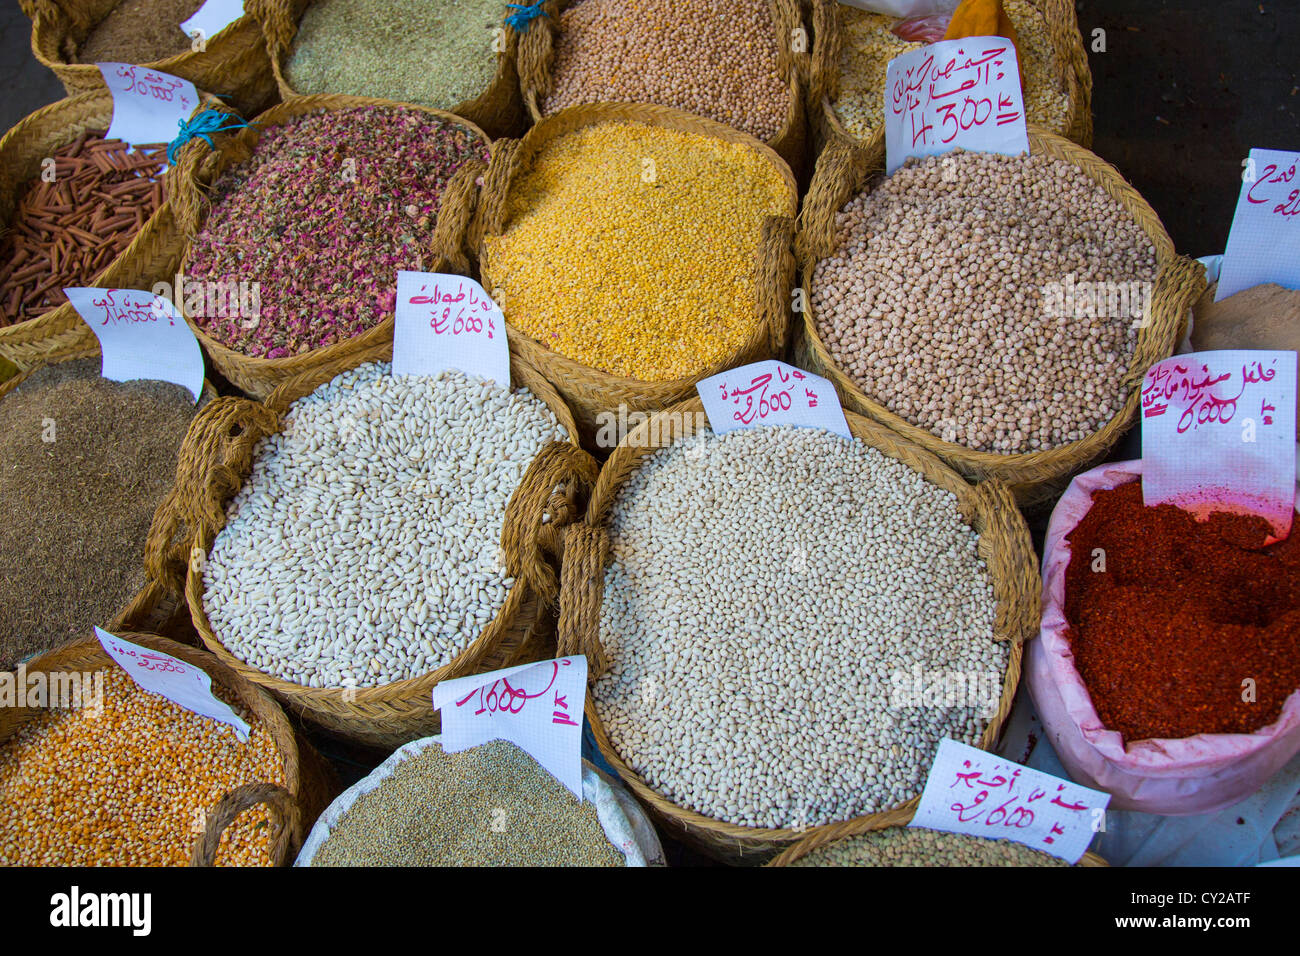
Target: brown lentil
139 31
65 232
653 280
492 805
714 58
131 786
75 511
909 846
934 301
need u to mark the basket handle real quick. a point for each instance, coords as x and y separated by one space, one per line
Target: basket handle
1013 566
216 454
1179 283
449 245
837 173
491 214
527 537
582 586
776 280
284 816
537 54
279 21
824 59
184 182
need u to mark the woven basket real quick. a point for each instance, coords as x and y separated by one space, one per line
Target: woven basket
234 64
1004 546
590 392
217 458
537 58
310 782
1069 59
151 609
1035 477
834 832
498 110
151 257
259 377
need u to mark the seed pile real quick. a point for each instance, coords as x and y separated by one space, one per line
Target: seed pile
364 546
131 786
137 31
634 249
65 232
84 462
714 58
907 846
937 299
867 45
432 54
489 806
766 589
1183 613
326 211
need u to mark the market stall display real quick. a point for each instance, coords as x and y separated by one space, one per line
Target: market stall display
806 626
328 602
86 462
707 212
320 203
455 55
70 36
946 302
426 807
738 63
123 776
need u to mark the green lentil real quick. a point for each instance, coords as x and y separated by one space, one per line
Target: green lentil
907 846
413 51
489 806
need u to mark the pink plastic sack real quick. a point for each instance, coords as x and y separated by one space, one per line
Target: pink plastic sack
922 29
1200 774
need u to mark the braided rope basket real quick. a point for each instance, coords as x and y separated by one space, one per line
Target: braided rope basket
588 391
1004 546
254 376
1036 477
215 461
309 781
834 832
233 63
152 256
498 109
1069 64
537 60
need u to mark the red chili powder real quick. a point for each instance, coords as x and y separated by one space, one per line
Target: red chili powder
1182 615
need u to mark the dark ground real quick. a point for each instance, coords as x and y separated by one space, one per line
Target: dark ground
1182 92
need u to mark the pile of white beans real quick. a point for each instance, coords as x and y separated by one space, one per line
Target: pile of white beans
766 589
364 547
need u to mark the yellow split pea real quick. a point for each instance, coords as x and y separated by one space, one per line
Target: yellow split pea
634 249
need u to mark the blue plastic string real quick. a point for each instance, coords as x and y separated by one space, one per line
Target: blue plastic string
202 127
526 15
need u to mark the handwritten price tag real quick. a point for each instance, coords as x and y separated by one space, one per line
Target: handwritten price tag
955 93
1264 243
448 321
1218 433
170 677
771 393
213 17
537 706
148 106
982 794
141 336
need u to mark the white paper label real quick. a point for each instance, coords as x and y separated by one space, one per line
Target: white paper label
148 106
448 322
1264 243
181 683
536 706
954 93
984 795
213 17
141 336
1218 434
771 393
